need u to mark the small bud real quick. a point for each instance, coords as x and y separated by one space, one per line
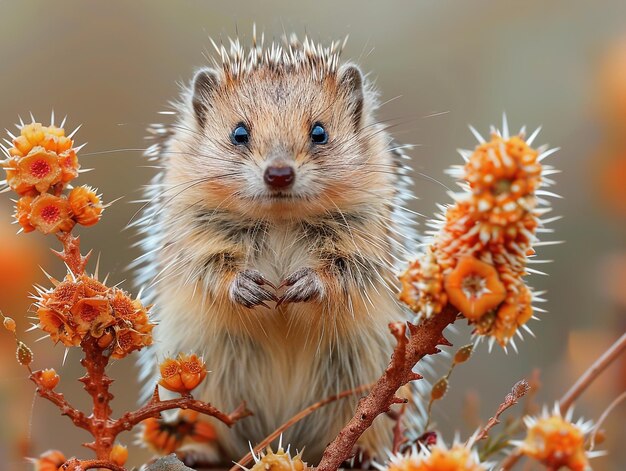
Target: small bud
439 389
24 354
463 354
119 454
9 324
49 378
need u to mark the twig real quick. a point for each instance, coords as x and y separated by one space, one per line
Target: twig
592 373
297 418
155 407
517 392
59 400
423 340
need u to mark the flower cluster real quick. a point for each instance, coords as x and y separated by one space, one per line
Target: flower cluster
81 306
39 166
183 374
479 252
165 437
436 458
557 442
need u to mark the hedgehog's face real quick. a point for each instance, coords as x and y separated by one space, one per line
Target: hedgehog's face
277 144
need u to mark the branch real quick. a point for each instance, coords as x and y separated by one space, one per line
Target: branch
296 418
517 392
156 406
592 373
59 400
423 340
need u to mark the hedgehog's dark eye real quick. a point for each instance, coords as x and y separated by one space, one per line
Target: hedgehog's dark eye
240 135
319 134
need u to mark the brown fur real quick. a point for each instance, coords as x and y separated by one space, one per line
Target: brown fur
212 222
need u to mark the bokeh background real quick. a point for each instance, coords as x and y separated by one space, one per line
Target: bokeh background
439 64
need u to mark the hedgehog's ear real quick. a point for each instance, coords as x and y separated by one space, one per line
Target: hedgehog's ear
204 82
351 83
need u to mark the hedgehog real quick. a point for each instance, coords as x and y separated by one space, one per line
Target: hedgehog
272 236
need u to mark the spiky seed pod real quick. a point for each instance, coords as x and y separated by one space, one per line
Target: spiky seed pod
83 306
556 441
279 461
436 457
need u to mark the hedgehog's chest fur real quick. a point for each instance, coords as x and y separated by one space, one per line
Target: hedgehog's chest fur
279 360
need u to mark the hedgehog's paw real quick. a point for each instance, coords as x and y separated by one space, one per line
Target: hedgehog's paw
250 289
303 285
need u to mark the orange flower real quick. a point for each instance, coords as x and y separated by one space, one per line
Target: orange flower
119 454
49 461
49 378
22 213
438 458
51 214
86 205
165 437
193 370
68 161
279 461
39 170
183 374
482 242
128 340
58 327
92 315
41 157
557 442
474 288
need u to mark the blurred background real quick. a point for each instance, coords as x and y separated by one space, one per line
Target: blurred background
439 64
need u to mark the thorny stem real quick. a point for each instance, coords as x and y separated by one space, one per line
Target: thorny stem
71 253
97 385
102 427
297 418
588 377
423 340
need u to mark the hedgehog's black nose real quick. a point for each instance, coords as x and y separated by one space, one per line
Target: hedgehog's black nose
279 176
